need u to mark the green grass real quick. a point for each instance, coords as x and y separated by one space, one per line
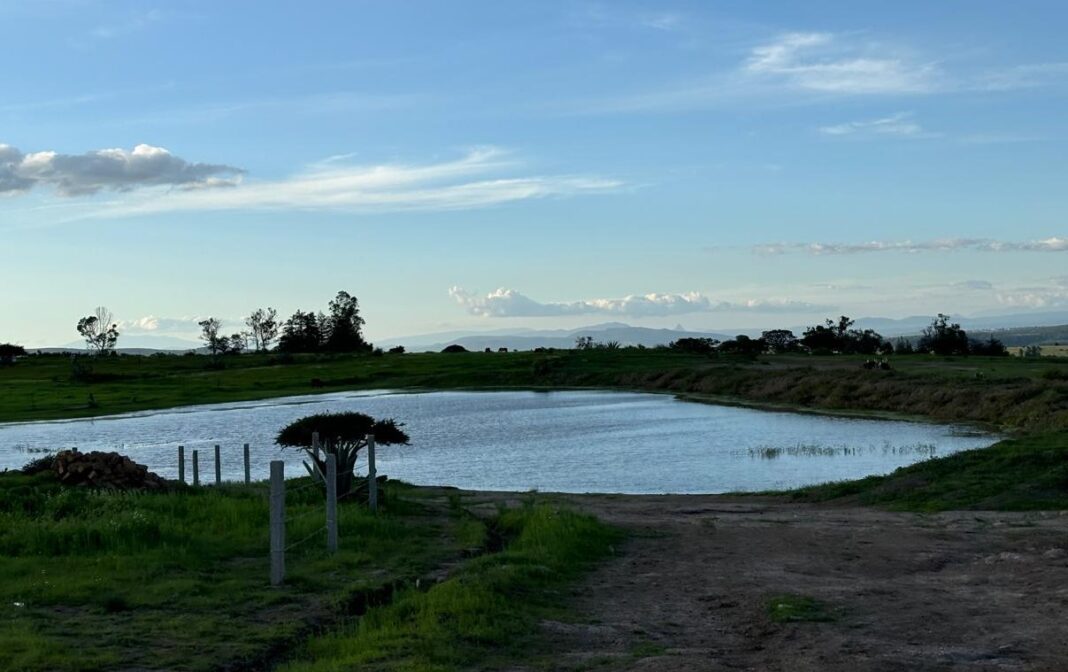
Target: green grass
178 580
1021 474
1009 391
484 615
791 608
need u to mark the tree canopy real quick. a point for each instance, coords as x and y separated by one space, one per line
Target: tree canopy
340 434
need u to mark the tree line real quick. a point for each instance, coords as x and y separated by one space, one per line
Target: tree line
941 337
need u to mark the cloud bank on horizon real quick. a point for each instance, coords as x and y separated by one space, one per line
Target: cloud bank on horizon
511 303
1051 244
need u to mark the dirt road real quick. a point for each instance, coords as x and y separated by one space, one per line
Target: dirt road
691 588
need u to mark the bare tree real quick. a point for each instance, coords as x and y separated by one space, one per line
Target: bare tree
99 331
209 333
263 327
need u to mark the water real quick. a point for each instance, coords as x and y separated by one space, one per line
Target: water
588 441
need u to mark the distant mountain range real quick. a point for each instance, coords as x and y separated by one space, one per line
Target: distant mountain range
528 339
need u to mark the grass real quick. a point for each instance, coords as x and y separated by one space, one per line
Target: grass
178 580
792 608
1028 393
1020 474
486 612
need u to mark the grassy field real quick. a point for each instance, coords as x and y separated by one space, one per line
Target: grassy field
1014 392
179 580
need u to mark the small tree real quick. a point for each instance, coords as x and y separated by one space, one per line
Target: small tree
263 327
99 331
343 435
780 340
699 346
944 338
209 333
9 351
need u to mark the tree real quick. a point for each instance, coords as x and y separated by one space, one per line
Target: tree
9 351
342 435
944 338
903 347
344 325
302 332
698 346
236 344
454 348
209 333
99 331
822 338
743 345
263 327
991 347
780 340
584 343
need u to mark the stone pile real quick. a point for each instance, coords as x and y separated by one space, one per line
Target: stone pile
104 470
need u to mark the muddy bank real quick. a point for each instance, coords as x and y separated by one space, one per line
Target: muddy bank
691 588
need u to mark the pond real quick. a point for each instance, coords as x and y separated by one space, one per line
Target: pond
567 441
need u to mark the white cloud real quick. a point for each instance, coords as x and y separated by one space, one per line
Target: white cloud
1053 244
481 178
900 124
823 62
107 170
186 326
511 303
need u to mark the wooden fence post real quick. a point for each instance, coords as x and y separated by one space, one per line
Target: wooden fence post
372 474
331 502
181 464
278 522
196 469
218 466
248 469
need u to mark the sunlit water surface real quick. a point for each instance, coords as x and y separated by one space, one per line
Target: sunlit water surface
570 441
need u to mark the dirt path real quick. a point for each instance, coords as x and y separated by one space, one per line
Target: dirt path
691 587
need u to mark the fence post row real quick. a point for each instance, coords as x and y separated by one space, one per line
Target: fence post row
181 464
196 469
248 469
372 473
331 502
218 466
278 522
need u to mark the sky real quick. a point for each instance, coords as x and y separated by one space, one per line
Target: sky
488 165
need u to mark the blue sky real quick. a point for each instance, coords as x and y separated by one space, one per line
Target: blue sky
487 165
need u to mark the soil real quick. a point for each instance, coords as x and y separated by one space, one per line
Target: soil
691 586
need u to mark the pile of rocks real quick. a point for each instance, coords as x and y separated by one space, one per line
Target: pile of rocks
104 470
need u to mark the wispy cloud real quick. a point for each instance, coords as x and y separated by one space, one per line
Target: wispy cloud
107 170
899 125
1025 76
131 24
511 303
823 62
483 177
1053 244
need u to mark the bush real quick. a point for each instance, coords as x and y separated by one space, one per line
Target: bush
455 347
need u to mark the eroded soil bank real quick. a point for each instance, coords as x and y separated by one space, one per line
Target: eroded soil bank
690 589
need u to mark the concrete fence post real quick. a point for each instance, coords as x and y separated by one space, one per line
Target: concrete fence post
196 469
181 464
218 465
372 474
331 502
248 467
278 522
